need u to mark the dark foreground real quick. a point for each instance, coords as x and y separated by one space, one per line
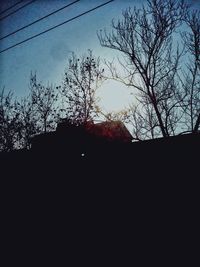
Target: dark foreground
101 198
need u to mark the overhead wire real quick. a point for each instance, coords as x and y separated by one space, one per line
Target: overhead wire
5 10
16 10
38 20
56 26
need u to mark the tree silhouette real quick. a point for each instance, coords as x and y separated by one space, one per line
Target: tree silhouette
151 60
143 121
10 125
28 121
82 78
44 104
191 82
40 111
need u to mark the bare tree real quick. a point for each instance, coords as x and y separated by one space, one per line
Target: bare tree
28 121
82 78
143 121
44 102
20 120
122 115
191 83
9 123
151 59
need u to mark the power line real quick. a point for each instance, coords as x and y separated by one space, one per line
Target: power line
17 9
58 25
10 7
30 24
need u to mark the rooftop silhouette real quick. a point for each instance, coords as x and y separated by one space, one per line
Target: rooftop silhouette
87 135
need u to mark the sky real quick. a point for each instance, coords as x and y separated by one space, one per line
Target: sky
48 53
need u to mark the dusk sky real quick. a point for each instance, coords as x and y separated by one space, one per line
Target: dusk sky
48 53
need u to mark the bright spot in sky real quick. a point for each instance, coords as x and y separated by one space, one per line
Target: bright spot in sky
114 96
48 54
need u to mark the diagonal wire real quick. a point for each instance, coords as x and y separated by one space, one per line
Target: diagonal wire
56 26
30 24
11 7
13 12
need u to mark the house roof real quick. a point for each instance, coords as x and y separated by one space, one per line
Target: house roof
109 130
89 132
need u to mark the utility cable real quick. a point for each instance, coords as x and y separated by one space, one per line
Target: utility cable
10 7
13 12
56 26
30 24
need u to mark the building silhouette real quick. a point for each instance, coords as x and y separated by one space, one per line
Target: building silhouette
88 136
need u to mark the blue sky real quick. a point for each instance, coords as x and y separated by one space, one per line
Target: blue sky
47 54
